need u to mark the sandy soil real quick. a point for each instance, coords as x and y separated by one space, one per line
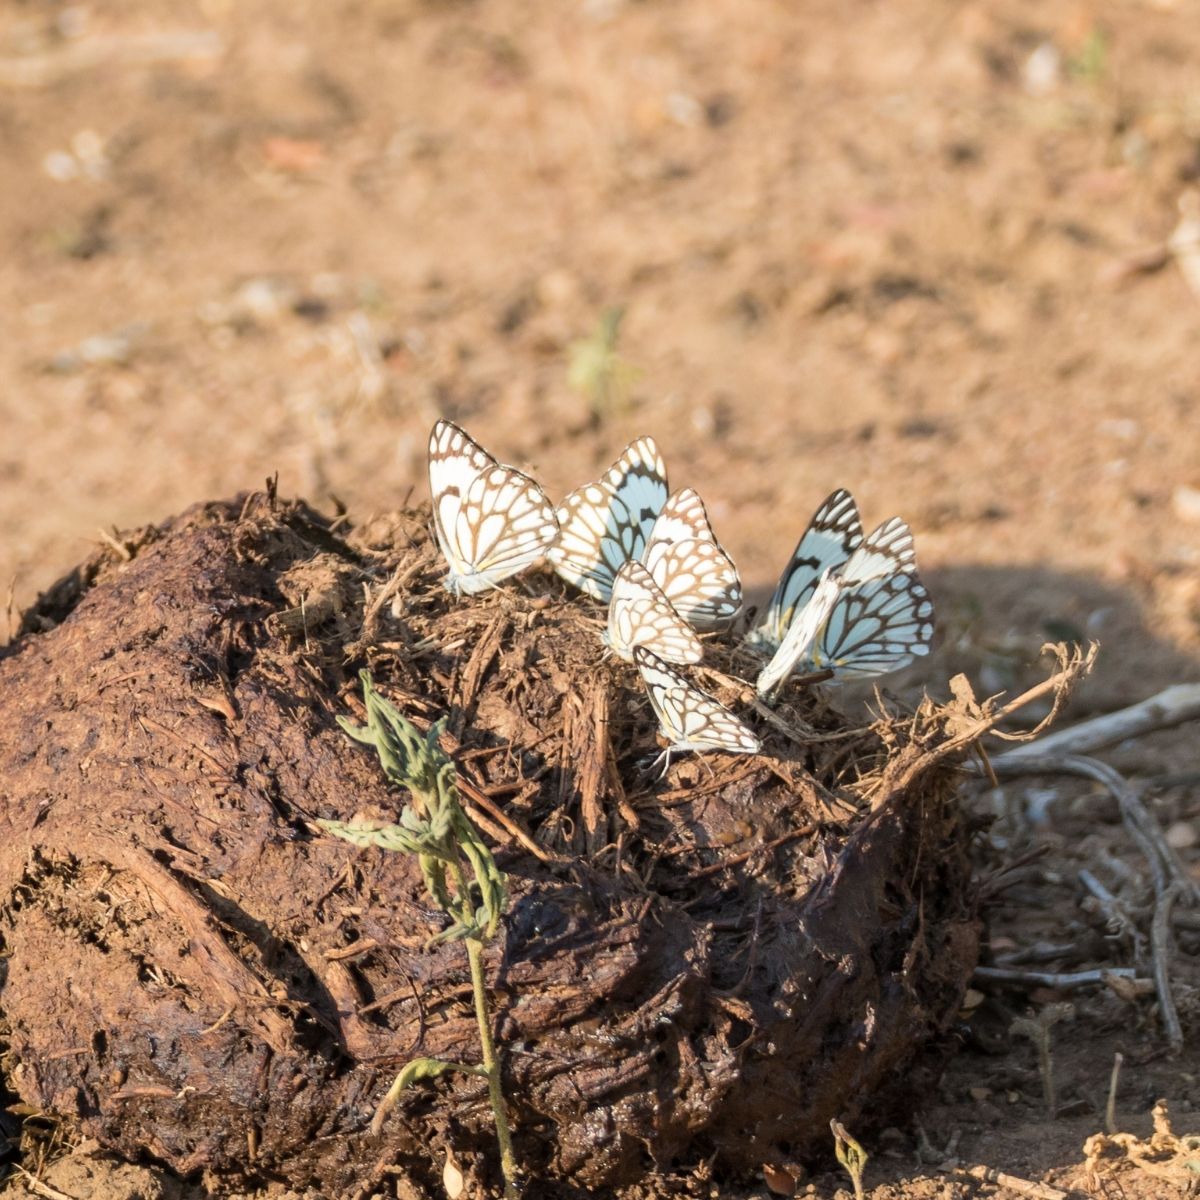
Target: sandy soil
889 247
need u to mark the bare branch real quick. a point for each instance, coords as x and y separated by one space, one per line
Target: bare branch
1171 706
1164 862
1063 981
1013 1183
1160 943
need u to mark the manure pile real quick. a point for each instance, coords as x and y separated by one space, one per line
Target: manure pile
712 964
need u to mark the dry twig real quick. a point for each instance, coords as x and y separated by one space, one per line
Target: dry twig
1171 706
1073 665
1164 1156
114 50
1160 946
34 1184
1013 1183
1118 920
404 574
1144 830
1110 1109
1062 981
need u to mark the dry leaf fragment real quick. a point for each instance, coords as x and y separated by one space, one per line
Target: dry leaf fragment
293 154
453 1179
779 1180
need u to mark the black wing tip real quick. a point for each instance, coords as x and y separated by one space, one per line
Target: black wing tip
444 427
644 655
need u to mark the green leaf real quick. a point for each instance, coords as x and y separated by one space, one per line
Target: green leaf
373 833
851 1155
430 1068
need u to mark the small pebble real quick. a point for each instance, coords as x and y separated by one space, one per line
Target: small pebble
1182 835
1187 502
684 109
1043 70
61 166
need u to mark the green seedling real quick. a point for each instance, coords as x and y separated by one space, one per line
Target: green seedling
597 371
1090 64
851 1155
1037 1029
434 827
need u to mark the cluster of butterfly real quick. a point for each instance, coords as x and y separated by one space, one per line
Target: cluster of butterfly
846 603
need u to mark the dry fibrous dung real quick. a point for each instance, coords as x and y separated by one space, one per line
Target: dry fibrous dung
715 964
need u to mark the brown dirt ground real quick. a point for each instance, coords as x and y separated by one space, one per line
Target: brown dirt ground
880 246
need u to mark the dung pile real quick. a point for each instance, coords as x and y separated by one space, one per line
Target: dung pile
716 963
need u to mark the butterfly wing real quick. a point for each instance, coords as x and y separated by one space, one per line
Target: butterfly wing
640 615
883 617
880 625
832 536
595 539
605 524
639 480
491 521
456 460
691 719
799 642
683 518
700 581
505 525
687 562
888 549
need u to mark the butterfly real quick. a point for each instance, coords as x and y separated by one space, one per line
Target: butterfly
689 718
640 615
605 524
870 616
801 634
491 520
686 561
833 534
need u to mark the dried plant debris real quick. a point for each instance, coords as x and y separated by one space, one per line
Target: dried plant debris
710 966
1165 1155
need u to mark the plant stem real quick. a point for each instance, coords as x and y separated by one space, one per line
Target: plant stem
434 827
491 1063
491 1060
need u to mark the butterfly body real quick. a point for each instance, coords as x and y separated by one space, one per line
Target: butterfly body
799 643
491 521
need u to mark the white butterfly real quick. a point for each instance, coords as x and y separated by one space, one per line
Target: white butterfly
491 521
833 534
686 561
804 630
605 524
689 718
640 615
870 617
